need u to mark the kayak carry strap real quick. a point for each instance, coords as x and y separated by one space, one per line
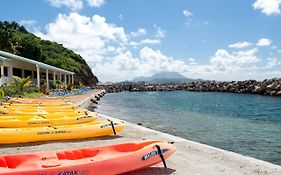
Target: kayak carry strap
161 155
112 125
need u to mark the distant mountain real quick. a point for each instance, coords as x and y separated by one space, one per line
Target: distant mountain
164 77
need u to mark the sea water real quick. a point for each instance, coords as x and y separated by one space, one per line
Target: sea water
245 124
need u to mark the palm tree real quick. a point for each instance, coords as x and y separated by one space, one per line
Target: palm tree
21 83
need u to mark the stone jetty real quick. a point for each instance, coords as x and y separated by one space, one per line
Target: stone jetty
271 87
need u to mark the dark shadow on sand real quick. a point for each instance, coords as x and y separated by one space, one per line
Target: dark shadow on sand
110 137
152 171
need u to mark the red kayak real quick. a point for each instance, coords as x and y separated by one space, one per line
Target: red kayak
104 160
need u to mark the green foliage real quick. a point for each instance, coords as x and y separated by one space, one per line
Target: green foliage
32 89
2 93
21 83
10 90
17 40
53 85
32 95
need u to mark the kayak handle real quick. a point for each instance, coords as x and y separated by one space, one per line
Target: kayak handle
112 125
161 156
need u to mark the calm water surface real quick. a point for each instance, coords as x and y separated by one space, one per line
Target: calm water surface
246 124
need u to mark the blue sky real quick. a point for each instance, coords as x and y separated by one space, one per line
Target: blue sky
209 39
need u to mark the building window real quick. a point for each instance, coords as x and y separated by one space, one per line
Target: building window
17 72
51 76
27 73
43 75
35 74
6 71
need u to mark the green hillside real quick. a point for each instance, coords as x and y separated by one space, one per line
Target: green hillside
17 40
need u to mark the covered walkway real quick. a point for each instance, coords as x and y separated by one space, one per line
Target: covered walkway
40 73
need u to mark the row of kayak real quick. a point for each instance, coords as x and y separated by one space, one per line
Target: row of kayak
24 120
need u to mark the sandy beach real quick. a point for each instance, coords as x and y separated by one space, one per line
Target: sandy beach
190 158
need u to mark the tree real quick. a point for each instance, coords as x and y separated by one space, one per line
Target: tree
21 83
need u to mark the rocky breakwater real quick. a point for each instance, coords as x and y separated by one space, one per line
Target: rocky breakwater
266 87
94 101
270 87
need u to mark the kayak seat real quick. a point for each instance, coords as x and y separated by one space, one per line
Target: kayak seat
15 161
3 162
76 154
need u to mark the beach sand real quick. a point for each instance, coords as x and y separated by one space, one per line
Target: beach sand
190 158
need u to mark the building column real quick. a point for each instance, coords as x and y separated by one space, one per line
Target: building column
22 73
47 78
72 78
65 82
60 77
54 77
32 76
38 76
10 74
2 75
69 79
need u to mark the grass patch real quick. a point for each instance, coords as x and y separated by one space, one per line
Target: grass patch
32 95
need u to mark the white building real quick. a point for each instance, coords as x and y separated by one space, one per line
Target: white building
13 65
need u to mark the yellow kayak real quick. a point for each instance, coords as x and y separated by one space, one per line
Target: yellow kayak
50 115
50 104
4 110
39 121
78 131
20 113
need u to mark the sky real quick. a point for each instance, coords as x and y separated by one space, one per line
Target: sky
122 39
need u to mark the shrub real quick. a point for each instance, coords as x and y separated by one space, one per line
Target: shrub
2 93
53 85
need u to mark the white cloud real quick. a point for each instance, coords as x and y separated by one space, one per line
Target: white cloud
269 7
187 13
27 22
96 3
74 5
271 62
30 25
150 41
192 61
91 37
240 45
264 42
225 61
160 33
135 44
105 47
139 32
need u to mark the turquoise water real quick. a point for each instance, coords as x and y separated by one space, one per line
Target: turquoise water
246 124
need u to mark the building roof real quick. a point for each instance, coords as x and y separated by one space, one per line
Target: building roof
9 56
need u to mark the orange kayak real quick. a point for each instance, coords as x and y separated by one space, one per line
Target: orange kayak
104 160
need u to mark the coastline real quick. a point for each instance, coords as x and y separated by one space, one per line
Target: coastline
189 158
195 158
